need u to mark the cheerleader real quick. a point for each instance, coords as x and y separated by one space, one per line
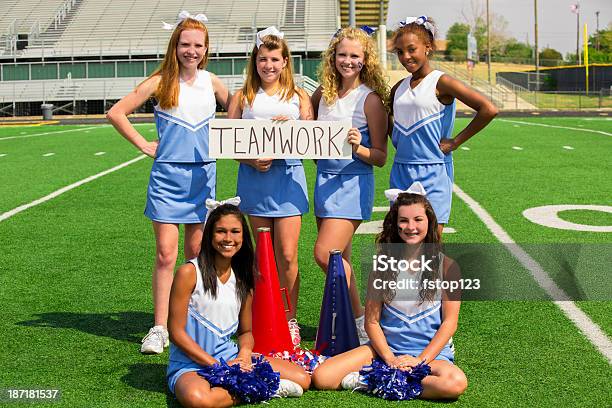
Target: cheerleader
409 327
423 114
211 301
353 86
183 175
273 192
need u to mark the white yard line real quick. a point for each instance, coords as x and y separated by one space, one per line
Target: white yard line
589 328
555 126
51 133
62 190
568 147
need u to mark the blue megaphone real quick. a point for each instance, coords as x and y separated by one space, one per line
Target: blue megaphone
337 332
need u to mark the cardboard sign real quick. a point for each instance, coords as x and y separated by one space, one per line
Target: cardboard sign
291 139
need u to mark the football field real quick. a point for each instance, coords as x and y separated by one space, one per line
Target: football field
77 255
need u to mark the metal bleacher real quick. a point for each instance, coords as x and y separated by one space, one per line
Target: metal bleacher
92 50
133 27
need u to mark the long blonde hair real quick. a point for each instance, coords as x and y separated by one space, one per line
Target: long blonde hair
371 74
167 92
253 81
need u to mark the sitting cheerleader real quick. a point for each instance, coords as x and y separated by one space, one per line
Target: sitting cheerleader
410 354
210 301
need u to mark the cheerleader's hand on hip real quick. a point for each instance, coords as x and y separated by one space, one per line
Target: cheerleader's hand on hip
150 148
448 145
354 138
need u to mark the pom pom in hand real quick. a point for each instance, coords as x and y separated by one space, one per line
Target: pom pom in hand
259 384
392 383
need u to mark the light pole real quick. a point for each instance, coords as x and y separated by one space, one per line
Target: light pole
488 45
597 32
352 19
537 54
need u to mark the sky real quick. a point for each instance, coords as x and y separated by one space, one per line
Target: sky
556 23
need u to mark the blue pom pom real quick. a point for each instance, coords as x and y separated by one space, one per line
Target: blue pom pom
392 383
259 384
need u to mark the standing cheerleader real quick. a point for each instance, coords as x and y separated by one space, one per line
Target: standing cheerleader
274 192
353 87
183 175
423 113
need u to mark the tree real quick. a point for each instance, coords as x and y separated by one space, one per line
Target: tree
457 37
549 57
604 39
476 17
517 50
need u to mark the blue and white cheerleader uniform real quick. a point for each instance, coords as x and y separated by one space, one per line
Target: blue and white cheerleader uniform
421 121
409 324
281 191
211 322
183 176
345 187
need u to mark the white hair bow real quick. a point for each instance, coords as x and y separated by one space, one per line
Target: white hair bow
212 204
268 31
183 15
415 188
422 20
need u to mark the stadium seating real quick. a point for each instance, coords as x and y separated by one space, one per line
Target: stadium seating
117 27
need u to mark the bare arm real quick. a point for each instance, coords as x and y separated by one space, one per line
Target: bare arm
182 288
375 333
245 335
377 126
314 101
449 88
117 115
450 316
306 112
234 110
391 99
222 95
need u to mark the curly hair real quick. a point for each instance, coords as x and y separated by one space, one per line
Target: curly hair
390 235
371 75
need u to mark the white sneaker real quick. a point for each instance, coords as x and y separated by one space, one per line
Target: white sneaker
361 333
294 330
155 340
288 388
353 381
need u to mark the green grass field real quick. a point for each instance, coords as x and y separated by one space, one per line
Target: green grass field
75 271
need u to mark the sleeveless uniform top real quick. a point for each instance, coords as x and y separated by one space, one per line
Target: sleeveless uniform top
183 130
211 322
409 325
421 120
266 107
350 106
